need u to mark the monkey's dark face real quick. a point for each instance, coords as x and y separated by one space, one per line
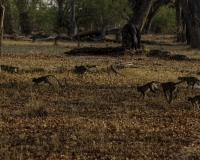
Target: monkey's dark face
138 89
189 98
179 78
34 79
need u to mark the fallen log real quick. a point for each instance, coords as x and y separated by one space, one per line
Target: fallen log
158 53
97 33
179 57
90 33
60 36
113 51
39 35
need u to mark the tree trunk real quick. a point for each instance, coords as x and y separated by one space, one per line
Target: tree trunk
73 15
103 32
25 23
147 27
98 33
154 9
188 37
23 7
131 32
181 25
140 13
63 20
129 36
8 26
59 15
192 13
2 10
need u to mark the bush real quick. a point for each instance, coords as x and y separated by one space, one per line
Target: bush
164 21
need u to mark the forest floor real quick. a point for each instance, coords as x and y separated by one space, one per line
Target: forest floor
98 116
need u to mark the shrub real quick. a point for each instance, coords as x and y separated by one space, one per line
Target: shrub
164 21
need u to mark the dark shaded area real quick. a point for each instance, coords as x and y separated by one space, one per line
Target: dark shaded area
111 51
39 36
97 33
10 69
167 55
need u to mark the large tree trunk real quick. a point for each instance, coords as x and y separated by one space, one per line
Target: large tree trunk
154 9
194 23
8 26
23 7
73 15
140 12
131 32
25 23
60 15
192 13
103 32
188 36
129 36
2 10
98 33
63 16
181 23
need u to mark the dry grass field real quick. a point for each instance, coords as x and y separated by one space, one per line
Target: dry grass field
98 116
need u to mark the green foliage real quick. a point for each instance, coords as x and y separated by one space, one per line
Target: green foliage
90 14
62 15
44 16
164 21
107 12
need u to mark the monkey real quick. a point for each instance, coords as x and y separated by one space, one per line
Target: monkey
149 86
170 88
191 81
11 69
91 66
194 101
45 79
81 70
111 68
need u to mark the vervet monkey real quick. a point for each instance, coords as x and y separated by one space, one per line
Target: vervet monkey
145 88
170 88
195 101
191 81
81 70
45 79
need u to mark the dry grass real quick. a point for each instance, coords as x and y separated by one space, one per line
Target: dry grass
98 116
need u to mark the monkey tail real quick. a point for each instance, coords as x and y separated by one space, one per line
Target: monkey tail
88 70
56 79
198 82
116 73
181 78
178 82
65 80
